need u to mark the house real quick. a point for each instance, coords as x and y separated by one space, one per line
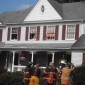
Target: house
46 32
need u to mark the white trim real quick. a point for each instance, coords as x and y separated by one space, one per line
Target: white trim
13 61
12 33
19 68
32 57
53 57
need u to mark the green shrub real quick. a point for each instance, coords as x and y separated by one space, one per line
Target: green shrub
79 76
11 78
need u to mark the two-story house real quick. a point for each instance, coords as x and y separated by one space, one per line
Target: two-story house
48 31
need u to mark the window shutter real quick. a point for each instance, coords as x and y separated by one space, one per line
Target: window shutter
19 33
63 32
8 35
83 63
38 32
56 32
77 32
26 34
44 33
1 34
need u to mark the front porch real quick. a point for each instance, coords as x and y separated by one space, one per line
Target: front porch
17 60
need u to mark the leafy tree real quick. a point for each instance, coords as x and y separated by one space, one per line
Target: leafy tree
78 76
67 1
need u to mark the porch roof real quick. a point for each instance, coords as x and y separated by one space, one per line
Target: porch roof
80 43
37 46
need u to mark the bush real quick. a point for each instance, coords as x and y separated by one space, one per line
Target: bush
79 76
11 78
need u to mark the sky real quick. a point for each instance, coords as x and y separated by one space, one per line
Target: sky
13 5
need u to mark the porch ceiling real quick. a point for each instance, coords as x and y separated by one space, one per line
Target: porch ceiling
37 46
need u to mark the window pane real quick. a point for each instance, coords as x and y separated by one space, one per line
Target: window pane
14 33
14 36
70 32
50 32
33 32
14 30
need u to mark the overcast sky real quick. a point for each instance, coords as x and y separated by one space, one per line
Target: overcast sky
12 5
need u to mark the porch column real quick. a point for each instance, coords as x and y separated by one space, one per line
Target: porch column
32 56
53 57
13 61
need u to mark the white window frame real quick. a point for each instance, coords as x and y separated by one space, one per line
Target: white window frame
52 28
14 33
30 32
69 32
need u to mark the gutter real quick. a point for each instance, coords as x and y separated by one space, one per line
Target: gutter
45 21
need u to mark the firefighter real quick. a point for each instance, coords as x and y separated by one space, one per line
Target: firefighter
50 75
27 73
66 72
35 76
59 73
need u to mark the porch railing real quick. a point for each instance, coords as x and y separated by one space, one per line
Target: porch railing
21 68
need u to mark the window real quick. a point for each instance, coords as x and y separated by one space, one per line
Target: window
14 33
50 32
42 8
70 32
33 32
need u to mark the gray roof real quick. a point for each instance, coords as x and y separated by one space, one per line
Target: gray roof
49 46
73 11
80 43
57 6
15 16
68 11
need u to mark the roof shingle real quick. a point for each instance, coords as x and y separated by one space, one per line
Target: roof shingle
80 43
68 11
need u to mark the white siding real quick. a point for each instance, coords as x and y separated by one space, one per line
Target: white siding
4 36
23 30
23 33
77 58
41 33
48 14
81 30
84 28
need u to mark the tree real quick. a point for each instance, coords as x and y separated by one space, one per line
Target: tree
67 1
